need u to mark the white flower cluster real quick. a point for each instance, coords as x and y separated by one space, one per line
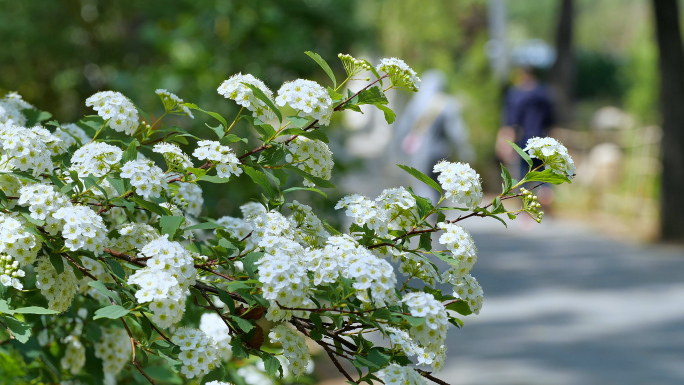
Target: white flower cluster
52 142
173 104
25 150
240 229
244 96
213 326
10 109
294 348
399 73
114 349
10 185
16 242
95 158
42 200
226 162
394 209
461 244
82 228
460 183
432 332
198 353
553 154
254 376
70 135
175 158
166 280
133 236
400 375
308 228
98 271
416 266
189 197
308 98
146 177
311 156
353 66
74 355
10 272
468 289
58 289
113 106
343 256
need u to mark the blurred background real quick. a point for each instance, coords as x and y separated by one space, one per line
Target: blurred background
555 310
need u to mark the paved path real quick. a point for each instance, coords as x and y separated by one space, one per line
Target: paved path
564 305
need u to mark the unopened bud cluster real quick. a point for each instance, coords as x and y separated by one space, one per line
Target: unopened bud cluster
530 205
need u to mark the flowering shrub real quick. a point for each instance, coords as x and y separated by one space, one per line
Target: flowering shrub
106 261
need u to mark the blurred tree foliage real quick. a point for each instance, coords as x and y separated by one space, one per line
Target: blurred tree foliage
57 53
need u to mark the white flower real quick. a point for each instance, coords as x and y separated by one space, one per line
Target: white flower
244 96
311 156
173 104
189 197
215 328
58 289
468 289
460 183
95 158
227 163
74 355
11 106
71 134
16 242
199 353
114 349
175 158
399 73
461 244
553 153
400 375
81 228
308 228
148 179
294 348
117 109
42 200
308 98
24 149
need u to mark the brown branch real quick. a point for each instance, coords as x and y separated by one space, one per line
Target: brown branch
134 361
79 267
429 376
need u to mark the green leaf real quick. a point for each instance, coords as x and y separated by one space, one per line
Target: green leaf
20 330
150 206
34 116
336 97
261 96
521 152
311 134
131 153
320 182
203 226
231 138
291 189
57 263
198 172
272 365
265 130
117 268
118 185
34 310
448 258
318 59
218 130
228 300
547 176
421 177
425 242
218 374
213 179
111 312
212 114
497 206
99 286
461 307
372 95
260 179
373 70
170 224
507 181
414 321
390 116
499 219
298 121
